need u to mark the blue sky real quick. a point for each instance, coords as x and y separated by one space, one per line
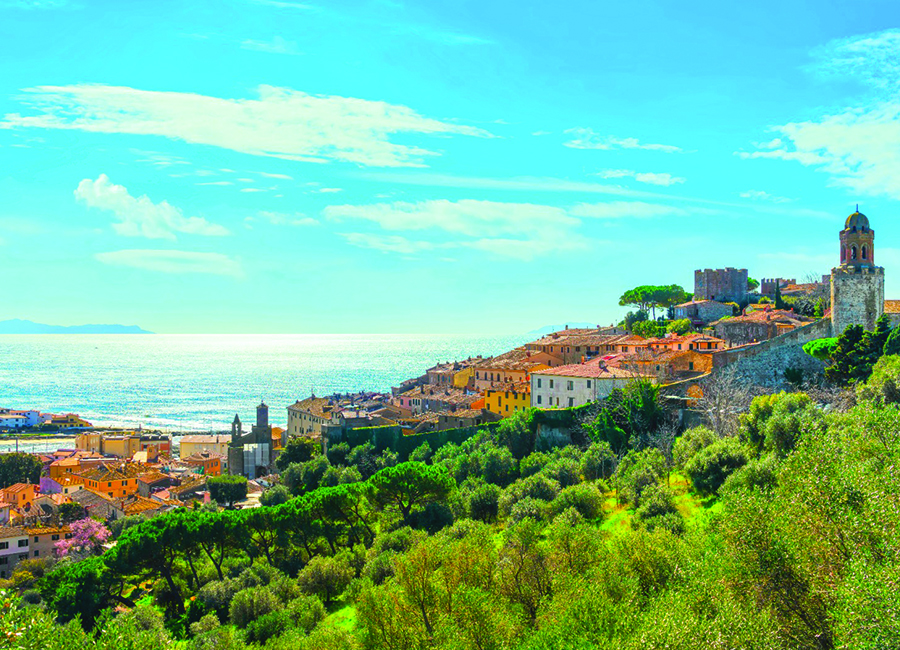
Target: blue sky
455 166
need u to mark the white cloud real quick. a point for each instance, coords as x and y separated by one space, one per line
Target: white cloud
253 189
177 262
141 217
858 146
281 176
277 45
760 195
282 219
584 138
282 122
621 209
387 243
466 217
328 190
652 178
216 183
516 230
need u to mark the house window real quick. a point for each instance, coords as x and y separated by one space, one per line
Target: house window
571 401
539 382
36 553
4 545
4 560
551 383
23 556
539 399
691 365
570 385
588 383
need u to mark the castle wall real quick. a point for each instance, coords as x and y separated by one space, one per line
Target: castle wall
763 364
857 296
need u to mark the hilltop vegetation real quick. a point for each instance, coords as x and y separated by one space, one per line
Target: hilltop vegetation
784 535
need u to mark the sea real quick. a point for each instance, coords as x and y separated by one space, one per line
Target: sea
182 383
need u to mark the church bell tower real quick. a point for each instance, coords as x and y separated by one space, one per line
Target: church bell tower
857 285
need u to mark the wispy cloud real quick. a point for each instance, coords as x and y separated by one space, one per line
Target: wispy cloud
651 178
175 262
585 138
282 122
284 219
858 146
623 209
387 243
141 217
516 230
281 176
275 45
216 183
760 195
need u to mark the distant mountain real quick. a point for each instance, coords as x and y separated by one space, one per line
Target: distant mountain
549 329
18 326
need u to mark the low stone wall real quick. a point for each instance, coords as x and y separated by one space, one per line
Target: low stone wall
763 364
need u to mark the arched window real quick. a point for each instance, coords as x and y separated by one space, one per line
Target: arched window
853 252
865 252
843 253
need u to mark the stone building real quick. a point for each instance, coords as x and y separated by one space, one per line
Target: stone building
701 312
722 285
857 285
251 454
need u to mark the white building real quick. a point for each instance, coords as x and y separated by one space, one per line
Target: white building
578 383
13 421
13 548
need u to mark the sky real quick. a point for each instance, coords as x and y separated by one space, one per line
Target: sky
462 166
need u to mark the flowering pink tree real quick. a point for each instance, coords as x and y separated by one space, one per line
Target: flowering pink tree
87 538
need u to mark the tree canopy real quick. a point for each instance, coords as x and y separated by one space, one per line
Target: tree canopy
649 297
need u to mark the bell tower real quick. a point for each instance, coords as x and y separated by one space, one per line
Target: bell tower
857 285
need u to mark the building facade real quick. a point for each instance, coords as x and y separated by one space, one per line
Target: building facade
722 285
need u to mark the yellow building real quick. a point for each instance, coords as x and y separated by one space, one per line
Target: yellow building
508 400
124 445
69 420
461 378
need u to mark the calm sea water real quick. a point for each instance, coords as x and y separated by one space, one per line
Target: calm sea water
187 382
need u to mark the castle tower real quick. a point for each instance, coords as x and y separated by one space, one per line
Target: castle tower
237 429
857 285
262 415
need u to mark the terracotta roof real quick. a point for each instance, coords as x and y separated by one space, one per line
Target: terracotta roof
202 456
48 530
208 440
595 369
19 487
701 302
313 405
892 306
12 531
518 359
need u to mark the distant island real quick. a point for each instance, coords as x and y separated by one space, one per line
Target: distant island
18 326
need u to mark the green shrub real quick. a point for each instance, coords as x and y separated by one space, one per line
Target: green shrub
690 442
267 626
538 486
761 474
484 502
528 507
710 466
584 497
305 612
533 463
564 471
821 349
249 604
326 577
884 383
598 461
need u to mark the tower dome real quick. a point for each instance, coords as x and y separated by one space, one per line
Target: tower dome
857 222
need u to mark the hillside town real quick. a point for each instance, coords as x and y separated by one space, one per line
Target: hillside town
730 321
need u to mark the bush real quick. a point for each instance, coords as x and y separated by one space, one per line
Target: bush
422 453
884 383
250 604
274 496
338 454
758 474
564 471
690 442
585 498
218 594
305 612
533 463
326 577
680 326
267 626
598 461
711 465
528 507
484 502
227 489
658 502
432 518
539 487
821 349
380 567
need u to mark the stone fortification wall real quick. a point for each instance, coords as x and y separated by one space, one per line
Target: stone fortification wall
763 364
857 296
723 285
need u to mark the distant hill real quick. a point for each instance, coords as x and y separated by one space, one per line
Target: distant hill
18 326
549 329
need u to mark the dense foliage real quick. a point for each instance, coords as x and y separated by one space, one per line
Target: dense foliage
785 535
19 468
